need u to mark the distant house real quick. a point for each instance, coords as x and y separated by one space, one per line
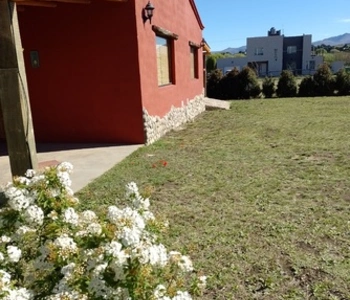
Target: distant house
100 71
273 53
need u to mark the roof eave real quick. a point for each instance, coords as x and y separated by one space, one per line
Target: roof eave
194 7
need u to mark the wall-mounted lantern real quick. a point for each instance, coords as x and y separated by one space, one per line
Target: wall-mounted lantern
148 12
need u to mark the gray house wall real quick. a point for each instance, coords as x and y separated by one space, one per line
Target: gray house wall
273 56
229 63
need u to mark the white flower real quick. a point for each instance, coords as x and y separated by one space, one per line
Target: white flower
174 256
2 257
14 253
74 200
68 270
118 270
185 264
19 294
202 282
30 173
131 189
65 167
64 294
130 237
22 230
131 223
65 242
64 178
5 278
148 216
182 296
53 215
115 250
159 292
34 215
22 180
38 178
70 191
141 203
17 200
53 192
94 229
113 214
70 216
87 216
132 192
158 255
5 239
100 268
182 261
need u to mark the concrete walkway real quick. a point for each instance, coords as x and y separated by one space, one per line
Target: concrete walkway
89 160
214 104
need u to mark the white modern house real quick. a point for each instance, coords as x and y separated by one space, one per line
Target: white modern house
271 54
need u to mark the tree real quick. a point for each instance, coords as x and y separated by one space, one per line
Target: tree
248 85
287 86
307 87
342 83
268 87
210 63
213 84
229 85
324 82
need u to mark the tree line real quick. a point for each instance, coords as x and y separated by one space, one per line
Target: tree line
246 85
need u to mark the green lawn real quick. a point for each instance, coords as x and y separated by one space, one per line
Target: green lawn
258 196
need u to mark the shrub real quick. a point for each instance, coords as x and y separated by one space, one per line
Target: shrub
307 87
248 85
213 84
268 87
324 81
48 250
342 83
229 85
210 63
287 86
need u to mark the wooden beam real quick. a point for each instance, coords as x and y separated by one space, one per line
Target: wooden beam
14 94
35 3
164 32
194 44
70 1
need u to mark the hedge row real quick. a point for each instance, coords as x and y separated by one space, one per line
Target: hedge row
245 84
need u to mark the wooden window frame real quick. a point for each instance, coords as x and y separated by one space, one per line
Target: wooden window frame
170 37
194 48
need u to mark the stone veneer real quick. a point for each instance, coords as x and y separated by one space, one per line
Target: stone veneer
155 127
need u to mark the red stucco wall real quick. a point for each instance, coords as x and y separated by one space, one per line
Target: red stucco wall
87 86
179 18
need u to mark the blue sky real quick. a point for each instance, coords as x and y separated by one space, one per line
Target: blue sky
229 22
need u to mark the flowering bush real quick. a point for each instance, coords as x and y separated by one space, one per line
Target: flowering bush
49 250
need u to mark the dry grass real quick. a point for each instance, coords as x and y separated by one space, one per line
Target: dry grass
259 196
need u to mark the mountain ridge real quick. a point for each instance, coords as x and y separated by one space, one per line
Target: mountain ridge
334 40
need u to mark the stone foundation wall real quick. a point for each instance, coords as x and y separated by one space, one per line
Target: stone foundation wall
155 127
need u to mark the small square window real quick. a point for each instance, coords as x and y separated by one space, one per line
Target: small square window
291 49
259 51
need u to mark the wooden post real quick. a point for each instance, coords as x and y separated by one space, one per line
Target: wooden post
14 97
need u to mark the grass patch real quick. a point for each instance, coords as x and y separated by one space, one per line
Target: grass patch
258 196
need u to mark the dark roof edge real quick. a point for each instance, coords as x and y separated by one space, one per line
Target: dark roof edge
194 7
